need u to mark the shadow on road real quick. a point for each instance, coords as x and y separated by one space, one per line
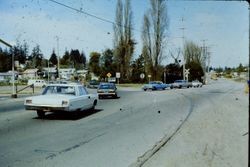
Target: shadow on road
73 116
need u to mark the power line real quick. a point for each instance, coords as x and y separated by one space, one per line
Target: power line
80 11
91 15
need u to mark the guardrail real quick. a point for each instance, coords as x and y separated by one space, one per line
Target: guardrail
29 86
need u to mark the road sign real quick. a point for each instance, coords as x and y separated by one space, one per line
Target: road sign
142 75
109 75
118 75
187 71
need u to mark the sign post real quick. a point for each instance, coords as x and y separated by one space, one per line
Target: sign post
187 73
118 76
149 76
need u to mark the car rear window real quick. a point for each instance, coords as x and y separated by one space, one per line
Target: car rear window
107 86
70 90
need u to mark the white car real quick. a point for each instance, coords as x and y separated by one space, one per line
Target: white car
61 97
180 84
196 84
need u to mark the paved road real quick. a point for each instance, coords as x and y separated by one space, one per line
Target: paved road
127 131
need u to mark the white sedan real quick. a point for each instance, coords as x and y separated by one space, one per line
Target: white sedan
61 97
196 83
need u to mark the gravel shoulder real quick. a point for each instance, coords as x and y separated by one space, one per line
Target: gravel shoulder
215 135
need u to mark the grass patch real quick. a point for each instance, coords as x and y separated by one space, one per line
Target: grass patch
240 80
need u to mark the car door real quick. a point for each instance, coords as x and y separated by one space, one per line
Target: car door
87 97
83 100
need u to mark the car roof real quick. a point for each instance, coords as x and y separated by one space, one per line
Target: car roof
68 84
106 83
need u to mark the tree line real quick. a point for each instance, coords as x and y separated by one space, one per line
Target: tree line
36 59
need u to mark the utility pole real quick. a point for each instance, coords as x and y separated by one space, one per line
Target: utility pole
183 42
204 53
248 44
208 64
14 95
58 57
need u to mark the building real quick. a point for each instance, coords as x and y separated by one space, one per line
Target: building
66 73
50 72
30 73
7 76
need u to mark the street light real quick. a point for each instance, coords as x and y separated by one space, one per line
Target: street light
14 95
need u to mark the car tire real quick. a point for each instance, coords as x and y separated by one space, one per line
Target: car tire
94 104
179 87
145 89
40 113
171 87
154 88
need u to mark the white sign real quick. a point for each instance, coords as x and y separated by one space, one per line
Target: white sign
118 75
149 76
142 75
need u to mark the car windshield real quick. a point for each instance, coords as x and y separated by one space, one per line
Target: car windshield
94 82
107 86
178 81
70 90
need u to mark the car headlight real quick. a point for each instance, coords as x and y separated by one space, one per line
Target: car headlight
65 103
28 101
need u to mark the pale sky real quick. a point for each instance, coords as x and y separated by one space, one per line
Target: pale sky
224 25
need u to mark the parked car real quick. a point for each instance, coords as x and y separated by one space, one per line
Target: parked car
181 84
155 85
93 84
196 84
61 97
37 82
107 90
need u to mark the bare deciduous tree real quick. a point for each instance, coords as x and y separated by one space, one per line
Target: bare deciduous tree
155 24
123 40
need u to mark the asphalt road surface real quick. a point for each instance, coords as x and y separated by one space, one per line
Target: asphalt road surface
121 132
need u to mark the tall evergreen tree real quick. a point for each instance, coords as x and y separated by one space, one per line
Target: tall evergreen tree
53 58
37 57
